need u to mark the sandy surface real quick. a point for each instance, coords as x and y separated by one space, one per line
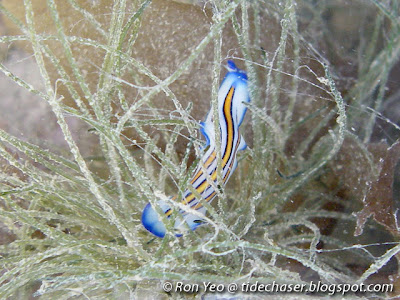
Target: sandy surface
29 117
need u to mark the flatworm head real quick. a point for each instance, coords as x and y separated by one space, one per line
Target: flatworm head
237 79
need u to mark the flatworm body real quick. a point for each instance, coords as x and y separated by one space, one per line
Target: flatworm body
232 95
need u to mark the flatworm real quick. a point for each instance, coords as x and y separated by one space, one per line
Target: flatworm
232 96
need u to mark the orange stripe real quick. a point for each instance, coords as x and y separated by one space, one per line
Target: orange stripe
206 165
201 188
228 117
169 212
199 205
233 160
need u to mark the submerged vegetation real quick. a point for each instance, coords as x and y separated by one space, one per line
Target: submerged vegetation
311 200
